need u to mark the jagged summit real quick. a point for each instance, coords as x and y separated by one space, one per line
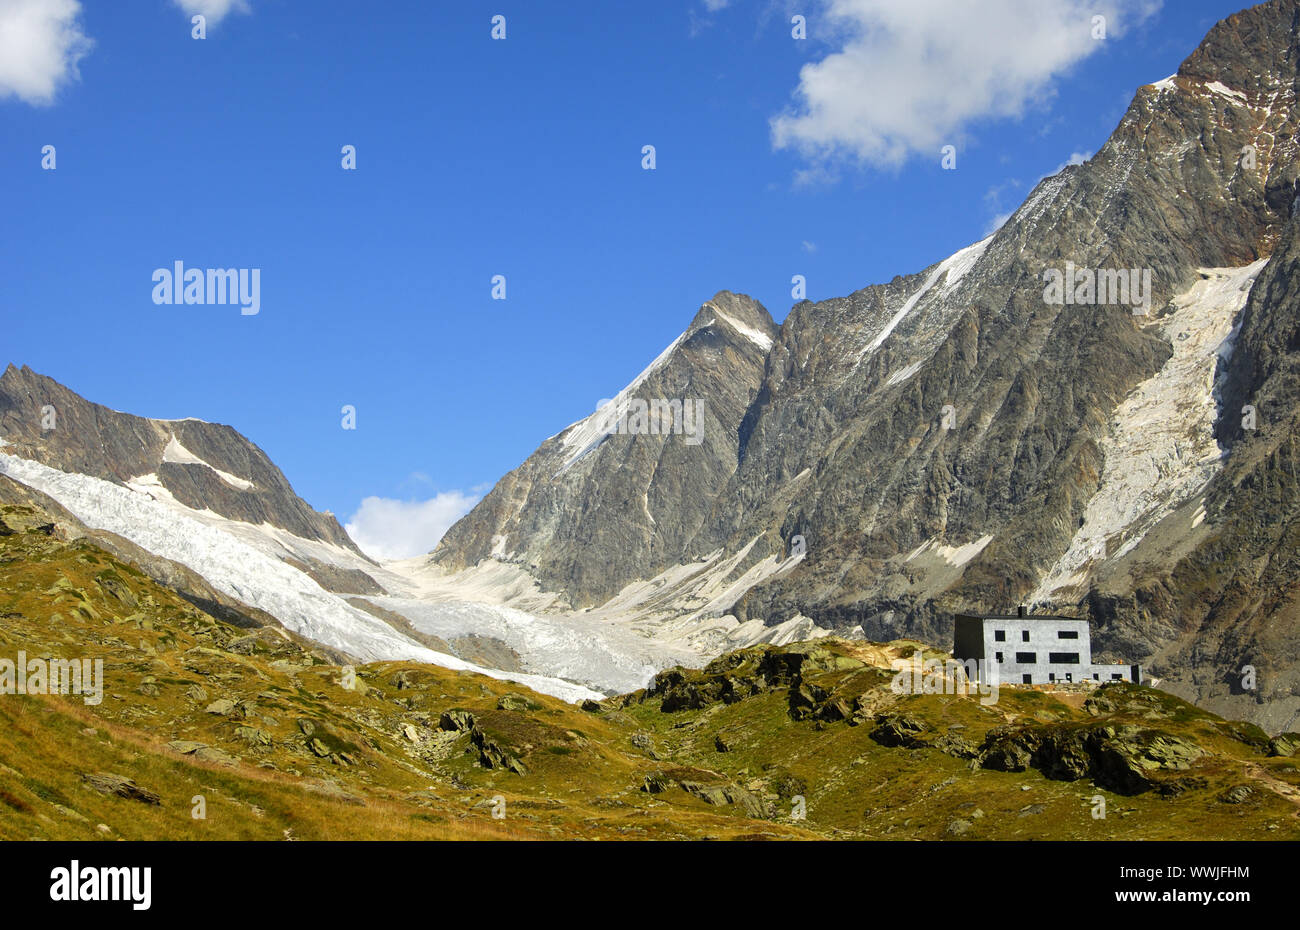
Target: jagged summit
571 499
742 314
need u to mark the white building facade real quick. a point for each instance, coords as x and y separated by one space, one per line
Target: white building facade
1034 649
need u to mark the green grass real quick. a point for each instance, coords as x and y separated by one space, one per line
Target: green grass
365 778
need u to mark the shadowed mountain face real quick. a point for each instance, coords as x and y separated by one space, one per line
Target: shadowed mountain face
204 466
957 440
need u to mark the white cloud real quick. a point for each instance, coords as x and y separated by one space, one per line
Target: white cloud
1078 158
994 196
391 529
909 76
214 11
808 247
41 42
996 223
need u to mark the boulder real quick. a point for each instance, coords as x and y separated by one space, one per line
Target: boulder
898 730
517 702
120 786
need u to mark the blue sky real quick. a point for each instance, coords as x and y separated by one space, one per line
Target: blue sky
519 157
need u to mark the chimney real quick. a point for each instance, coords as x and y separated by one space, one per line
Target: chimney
1021 611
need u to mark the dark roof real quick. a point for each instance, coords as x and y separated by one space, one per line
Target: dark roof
1019 617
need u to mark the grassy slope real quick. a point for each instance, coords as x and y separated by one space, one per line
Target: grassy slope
301 756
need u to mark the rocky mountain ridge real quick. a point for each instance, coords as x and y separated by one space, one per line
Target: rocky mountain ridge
953 440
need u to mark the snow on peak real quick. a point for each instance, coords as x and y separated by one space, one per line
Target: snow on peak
954 266
586 434
759 338
1214 87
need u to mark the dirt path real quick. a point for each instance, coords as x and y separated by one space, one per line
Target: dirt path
1286 791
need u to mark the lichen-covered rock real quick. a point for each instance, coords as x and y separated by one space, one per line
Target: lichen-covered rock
1285 744
898 730
517 702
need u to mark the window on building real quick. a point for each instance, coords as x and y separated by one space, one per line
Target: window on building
999 657
1024 636
1063 658
1116 676
1000 635
1067 634
1069 676
1027 679
1027 658
1096 677
1051 676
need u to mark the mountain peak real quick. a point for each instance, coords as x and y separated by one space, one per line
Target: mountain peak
1249 50
954 437
741 314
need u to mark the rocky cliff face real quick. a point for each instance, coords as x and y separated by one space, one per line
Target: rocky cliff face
955 439
204 466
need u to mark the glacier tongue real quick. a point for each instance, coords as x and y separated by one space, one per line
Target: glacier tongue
601 655
247 572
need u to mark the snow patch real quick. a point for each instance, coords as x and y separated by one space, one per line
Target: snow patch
1161 451
956 556
955 267
759 338
1224 91
179 455
899 377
